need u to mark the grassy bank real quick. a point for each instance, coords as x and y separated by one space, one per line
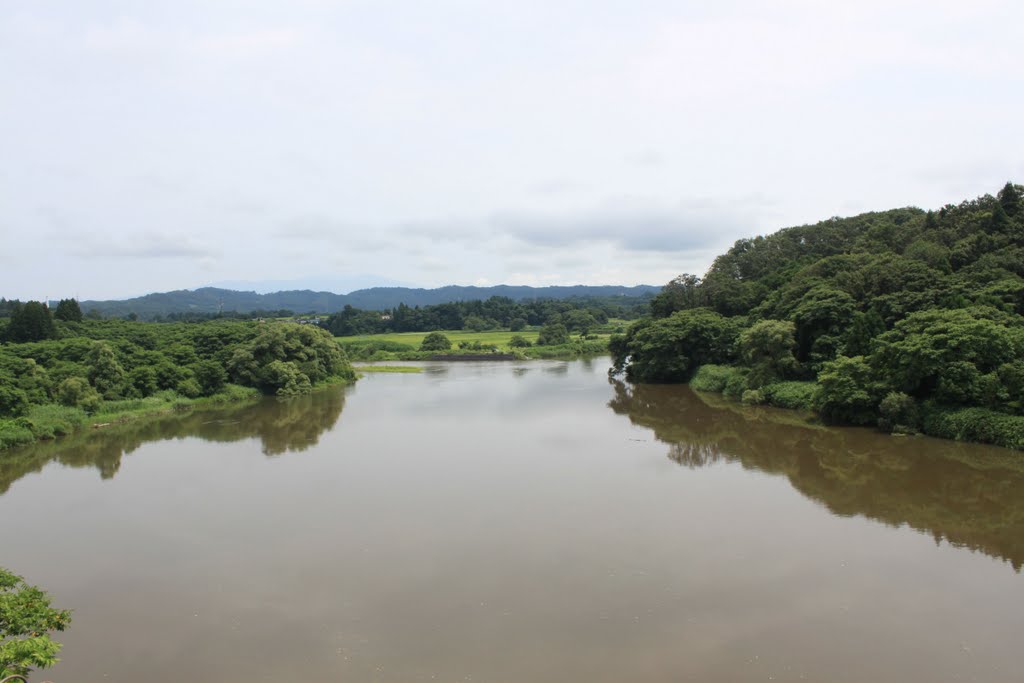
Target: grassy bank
49 421
389 368
976 425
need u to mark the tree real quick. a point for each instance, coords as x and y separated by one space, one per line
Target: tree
68 310
435 341
31 322
553 334
680 294
580 321
671 349
767 348
105 371
26 621
1010 199
846 391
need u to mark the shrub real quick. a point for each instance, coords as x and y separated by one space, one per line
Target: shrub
753 397
435 341
713 377
791 395
898 413
519 341
975 424
76 392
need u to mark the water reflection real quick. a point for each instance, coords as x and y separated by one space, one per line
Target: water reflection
971 496
282 426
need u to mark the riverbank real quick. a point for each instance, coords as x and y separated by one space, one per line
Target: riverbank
975 424
51 421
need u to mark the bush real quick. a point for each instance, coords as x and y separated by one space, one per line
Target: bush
899 413
553 334
753 397
713 377
76 392
736 384
975 424
435 341
791 395
519 341
15 433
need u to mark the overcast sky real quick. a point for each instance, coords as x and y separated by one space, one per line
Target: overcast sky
151 145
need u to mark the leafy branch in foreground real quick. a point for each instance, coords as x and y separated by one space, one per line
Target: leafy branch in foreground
26 620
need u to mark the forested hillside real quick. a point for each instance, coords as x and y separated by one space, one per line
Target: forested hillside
214 300
909 319
57 375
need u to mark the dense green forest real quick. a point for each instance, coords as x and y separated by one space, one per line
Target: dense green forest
59 371
580 314
212 300
908 319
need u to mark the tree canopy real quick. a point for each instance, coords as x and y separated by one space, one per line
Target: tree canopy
919 309
26 622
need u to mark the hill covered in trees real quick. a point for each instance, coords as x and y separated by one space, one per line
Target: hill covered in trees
214 300
910 319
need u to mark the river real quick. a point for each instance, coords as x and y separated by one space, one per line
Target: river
505 522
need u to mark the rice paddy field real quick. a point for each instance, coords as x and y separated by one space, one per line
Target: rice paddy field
492 338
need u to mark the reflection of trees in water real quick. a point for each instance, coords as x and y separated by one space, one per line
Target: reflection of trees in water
282 425
972 496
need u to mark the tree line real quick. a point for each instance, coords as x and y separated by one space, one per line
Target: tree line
909 319
497 312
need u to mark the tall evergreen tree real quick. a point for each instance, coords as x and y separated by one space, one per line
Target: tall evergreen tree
31 322
1009 198
68 310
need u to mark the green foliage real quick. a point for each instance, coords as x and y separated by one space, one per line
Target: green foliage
846 391
932 352
519 342
976 424
26 622
287 359
715 378
105 371
891 311
76 392
68 311
791 395
435 341
767 348
111 369
30 322
899 413
671 349
553 334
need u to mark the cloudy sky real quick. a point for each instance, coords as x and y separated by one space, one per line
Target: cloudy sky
152 145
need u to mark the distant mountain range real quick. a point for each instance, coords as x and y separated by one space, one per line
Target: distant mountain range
213 299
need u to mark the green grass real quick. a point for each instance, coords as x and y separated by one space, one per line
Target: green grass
497 338
410 341
388 368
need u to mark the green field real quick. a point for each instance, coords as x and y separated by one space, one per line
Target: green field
493 338
496 338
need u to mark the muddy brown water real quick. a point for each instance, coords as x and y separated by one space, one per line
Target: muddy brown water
509 522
